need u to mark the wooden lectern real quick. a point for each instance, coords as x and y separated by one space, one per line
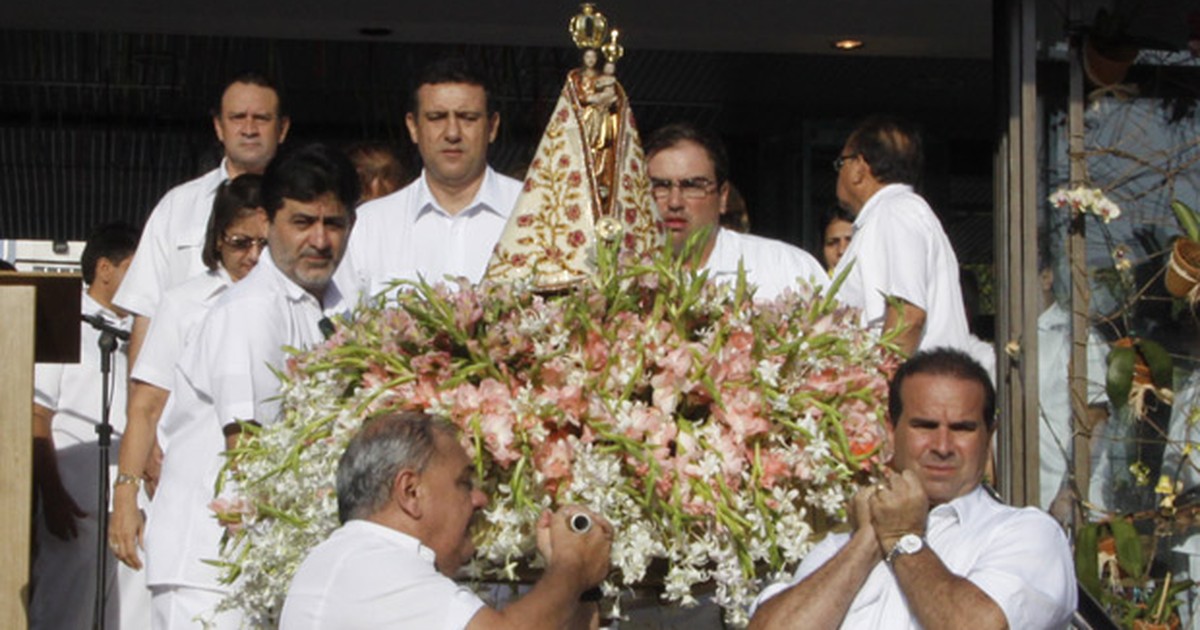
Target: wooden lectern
39 320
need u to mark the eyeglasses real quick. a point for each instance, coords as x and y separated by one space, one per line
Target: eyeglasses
241 242
692 188
842 159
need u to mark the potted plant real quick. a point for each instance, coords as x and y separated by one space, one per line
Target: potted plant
1183 268
1108 51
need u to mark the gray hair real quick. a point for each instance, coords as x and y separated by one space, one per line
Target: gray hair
382 448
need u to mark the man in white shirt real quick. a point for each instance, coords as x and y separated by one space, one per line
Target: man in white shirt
226 377
904 270
250 122
406 497
66 412
689 179
447 222
930 548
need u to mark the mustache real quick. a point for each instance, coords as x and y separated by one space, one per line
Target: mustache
313 252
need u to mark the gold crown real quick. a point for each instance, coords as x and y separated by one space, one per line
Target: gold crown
612 50
589 29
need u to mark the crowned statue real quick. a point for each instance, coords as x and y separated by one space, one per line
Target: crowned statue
587 180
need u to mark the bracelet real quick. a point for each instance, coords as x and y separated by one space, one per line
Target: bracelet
126 479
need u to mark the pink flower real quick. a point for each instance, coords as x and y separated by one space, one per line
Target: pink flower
553 458
742 413
773 467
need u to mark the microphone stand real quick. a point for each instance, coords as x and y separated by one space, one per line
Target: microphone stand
108 345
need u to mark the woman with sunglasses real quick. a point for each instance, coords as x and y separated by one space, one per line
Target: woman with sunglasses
235 238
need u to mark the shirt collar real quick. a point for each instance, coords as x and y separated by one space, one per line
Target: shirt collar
876 200
331 302
965 509
89 306
489 198
393 536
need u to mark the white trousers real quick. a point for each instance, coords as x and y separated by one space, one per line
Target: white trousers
178 607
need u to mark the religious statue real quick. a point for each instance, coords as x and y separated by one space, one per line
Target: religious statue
598 100
588 178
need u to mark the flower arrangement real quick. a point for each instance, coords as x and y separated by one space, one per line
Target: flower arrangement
1085 200
716 433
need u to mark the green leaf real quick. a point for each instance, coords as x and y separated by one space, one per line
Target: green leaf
1129 549
1087 558
1189 222
1159 360
1120 375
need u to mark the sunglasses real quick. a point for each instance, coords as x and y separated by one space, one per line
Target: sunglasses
242 243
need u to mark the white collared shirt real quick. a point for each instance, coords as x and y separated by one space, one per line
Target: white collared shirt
406 235
169 251
1018 557
175 323
771 265
225 375
367 576
900 249
72 391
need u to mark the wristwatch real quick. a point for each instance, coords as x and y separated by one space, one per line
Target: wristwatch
906 546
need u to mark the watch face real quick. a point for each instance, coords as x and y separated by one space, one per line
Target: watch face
909 543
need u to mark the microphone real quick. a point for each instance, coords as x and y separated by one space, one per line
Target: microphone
99 323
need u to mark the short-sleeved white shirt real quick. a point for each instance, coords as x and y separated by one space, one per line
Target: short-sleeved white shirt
771 265
224 375
368 576
900 249
407 235
72 391
1019 557
169 250
175 323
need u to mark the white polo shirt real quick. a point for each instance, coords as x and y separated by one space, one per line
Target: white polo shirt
367 576
175 324
224 376
72 391
900 249
169 250
407 235
1018 557
771 265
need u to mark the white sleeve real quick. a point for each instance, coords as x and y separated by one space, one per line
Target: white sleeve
47 384
240 343
1028 570
820 554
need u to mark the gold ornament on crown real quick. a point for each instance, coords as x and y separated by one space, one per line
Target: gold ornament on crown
589 28
612 50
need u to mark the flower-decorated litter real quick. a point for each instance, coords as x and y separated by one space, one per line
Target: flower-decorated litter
717 434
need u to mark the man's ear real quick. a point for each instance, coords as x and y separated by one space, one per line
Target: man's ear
493 126
410 121
104 269
285 123
406 492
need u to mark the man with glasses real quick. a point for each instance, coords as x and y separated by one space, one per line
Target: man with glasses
903 271
689 178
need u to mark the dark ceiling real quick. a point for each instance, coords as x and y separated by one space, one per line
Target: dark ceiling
898 28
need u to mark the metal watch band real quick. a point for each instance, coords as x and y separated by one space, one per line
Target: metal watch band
126 479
